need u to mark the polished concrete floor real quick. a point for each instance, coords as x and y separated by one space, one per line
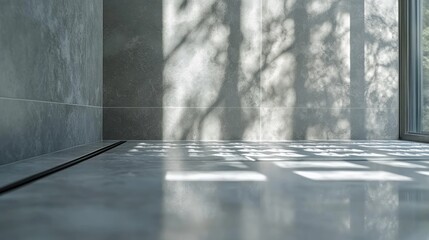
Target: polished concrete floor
225 190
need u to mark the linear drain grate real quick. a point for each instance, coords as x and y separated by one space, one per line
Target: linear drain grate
40 175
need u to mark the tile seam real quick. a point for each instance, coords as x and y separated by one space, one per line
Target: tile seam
249 108
48 102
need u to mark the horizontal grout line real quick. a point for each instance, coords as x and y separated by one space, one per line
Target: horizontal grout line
262 141
32 178
48 102
250 108
181 107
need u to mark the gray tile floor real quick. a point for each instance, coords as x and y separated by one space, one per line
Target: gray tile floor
228 190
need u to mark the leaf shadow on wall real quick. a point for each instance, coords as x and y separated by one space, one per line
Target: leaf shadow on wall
306 70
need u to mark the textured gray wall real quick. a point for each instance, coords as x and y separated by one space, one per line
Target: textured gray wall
50 76
251 69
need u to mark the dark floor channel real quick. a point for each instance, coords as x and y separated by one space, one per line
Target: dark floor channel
32 178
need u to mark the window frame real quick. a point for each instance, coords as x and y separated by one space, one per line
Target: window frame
409 56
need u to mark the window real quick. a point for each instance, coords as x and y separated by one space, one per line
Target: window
414 70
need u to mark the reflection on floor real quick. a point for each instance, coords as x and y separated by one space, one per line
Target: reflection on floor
279 151
229 190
